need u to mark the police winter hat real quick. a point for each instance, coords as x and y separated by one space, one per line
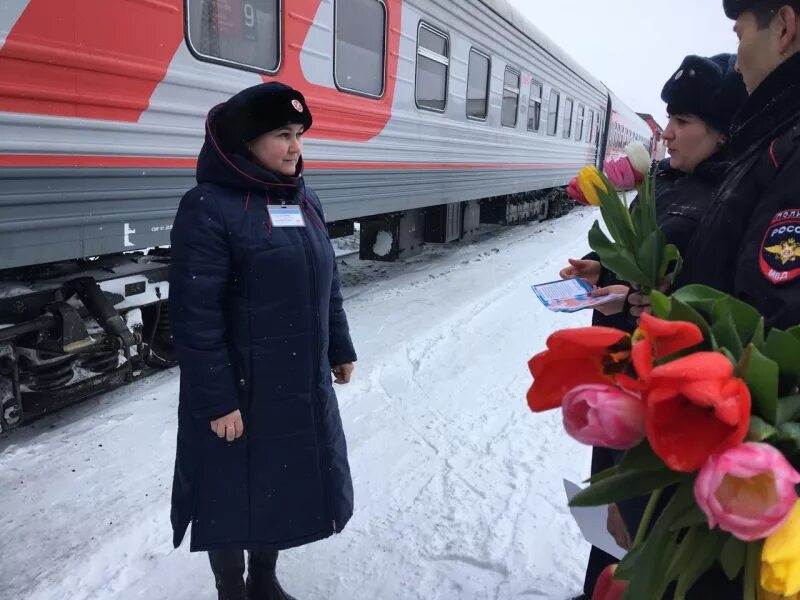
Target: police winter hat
707 87
733 8
256 110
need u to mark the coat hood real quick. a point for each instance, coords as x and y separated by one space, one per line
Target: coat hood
233 170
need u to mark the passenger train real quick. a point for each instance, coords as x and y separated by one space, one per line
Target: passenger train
430 116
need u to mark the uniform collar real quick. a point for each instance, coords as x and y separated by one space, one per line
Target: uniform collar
774 104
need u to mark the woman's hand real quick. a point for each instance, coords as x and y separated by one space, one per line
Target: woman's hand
640 303
617 528
229 427
588 270
615 306
342 373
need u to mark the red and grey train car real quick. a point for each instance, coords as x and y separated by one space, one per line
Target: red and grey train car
429 115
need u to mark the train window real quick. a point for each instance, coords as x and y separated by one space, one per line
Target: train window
360 46
433 64
579 123
478 85
552 112
535 106
589 125
244 34
568 106
508 115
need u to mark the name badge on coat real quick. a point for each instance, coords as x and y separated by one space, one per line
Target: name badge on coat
288 215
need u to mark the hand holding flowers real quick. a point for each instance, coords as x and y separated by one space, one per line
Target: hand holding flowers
637 251
707 406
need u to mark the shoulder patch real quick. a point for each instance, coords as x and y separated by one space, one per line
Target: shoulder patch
779 256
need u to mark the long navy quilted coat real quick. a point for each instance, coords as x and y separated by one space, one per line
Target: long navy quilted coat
258 322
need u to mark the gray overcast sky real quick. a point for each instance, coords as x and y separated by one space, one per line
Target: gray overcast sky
633 46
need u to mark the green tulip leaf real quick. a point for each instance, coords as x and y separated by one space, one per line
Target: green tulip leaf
627 567
670 256
761 375
649 255
682 311
788 439
732 557
784 349
700 297
724 328
649 580
788 409
641 458
704 550
603 474
760 430
662 305
615 257
758 335
626 485
693 517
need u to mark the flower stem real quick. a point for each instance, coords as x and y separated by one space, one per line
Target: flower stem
641 533
751 570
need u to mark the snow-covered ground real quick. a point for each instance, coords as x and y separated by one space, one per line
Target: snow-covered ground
458 486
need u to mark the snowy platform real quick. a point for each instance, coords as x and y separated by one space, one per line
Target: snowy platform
458 486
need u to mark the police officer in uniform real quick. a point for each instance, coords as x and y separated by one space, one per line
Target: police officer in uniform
748 243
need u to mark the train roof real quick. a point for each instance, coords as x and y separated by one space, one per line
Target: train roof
524 25
631 117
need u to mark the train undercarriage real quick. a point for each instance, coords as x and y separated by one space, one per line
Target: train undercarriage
73 329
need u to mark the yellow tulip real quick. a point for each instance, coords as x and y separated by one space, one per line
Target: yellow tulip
780 558
591 184
765 595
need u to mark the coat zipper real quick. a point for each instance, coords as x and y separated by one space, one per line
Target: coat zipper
318 347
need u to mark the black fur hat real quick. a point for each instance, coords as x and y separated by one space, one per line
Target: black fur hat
257 110
734 8
707 87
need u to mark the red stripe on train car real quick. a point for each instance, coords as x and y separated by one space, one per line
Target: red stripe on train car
338 115
137 162
95 59
103 59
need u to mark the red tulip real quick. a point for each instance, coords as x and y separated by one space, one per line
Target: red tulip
575 357
608 588
695 408
574 192
656 339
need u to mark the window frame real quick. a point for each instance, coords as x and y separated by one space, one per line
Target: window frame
518 73
590 129
227 62
488 85
567 133
425 25
345 89
580 121
532 103
557 119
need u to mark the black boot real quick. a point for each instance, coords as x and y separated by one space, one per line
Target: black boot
262 581
228 567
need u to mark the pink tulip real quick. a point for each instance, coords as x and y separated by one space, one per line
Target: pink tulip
748 490
604 415
574 192
621 174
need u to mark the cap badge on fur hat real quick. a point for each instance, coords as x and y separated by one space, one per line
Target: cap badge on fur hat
297 105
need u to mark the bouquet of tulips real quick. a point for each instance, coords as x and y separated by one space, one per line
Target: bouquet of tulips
639 252
706 406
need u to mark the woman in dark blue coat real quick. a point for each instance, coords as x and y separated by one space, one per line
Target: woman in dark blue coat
258 326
